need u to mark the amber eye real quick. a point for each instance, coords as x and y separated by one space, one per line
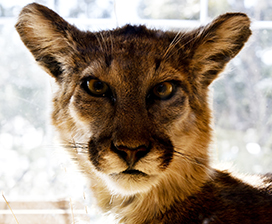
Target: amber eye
164 90
97 87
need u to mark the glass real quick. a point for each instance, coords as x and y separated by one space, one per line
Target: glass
256 9
11 8
243 107
29 165
85 8
169 9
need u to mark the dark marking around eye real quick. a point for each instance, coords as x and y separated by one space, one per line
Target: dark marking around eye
157 64
108 60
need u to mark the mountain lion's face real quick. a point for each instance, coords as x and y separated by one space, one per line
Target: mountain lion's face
129 109
131 103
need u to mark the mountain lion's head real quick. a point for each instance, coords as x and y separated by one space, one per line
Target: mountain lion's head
132 103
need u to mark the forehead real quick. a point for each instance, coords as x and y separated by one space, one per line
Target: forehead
132 55
129 41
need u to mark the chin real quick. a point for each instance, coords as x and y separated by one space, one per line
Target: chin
129 182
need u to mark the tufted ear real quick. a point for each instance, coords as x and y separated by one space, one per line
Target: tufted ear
214 45
53 42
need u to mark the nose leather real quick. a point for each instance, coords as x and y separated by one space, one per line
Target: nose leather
131 155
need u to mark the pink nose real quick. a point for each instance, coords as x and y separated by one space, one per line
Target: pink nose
131 155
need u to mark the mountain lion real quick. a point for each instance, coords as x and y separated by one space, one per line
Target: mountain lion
132 108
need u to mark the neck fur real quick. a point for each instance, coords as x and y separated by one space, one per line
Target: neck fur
148 206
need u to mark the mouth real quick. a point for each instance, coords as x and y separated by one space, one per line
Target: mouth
131 181
133 172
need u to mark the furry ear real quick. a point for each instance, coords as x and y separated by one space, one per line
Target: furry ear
50 39
214 45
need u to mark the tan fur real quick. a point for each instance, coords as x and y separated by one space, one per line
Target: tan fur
169 179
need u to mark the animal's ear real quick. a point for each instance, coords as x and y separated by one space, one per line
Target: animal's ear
214 45
49 38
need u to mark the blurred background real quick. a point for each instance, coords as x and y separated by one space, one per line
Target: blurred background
31 166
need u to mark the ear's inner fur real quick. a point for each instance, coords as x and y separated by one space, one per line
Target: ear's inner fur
54 43
217 43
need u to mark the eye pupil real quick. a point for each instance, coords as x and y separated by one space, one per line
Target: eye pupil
164 90
97 87
161 89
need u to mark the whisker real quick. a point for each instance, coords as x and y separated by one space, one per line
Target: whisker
103 41
78 147
99 42
199 161
172 44
123 201
174 52
111 40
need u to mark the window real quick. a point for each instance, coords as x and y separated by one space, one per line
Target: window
32 168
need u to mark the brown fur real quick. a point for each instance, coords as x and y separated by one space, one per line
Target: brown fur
146 158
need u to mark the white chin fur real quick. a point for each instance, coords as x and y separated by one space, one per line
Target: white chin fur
129 184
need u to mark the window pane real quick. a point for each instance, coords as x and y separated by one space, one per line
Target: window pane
85 8
243 107
29 163
256 9
169 9
11 8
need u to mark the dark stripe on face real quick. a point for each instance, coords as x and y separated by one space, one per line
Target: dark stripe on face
94 154
96 151
164 145
108 60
